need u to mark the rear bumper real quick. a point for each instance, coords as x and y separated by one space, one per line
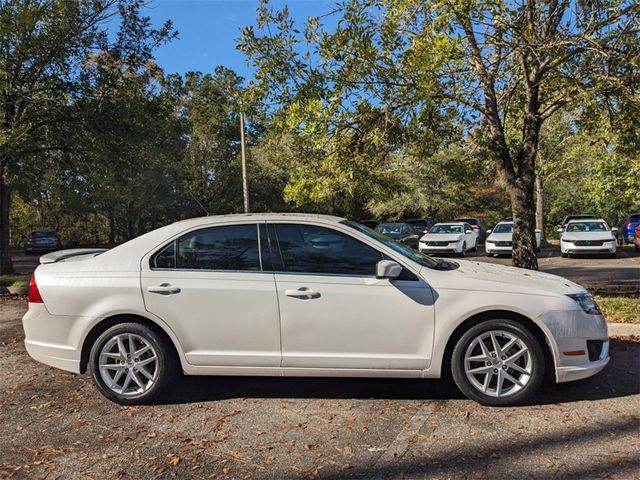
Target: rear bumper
49 338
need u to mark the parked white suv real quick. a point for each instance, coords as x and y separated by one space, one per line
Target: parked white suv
304 295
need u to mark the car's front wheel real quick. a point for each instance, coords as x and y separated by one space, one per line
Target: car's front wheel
131 364
498 363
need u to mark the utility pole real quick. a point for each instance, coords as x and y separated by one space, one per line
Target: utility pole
245 184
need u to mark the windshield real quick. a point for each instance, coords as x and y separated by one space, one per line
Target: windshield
503 228
587 227
393 228
446 229
402 249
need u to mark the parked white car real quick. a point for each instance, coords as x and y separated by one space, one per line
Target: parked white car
587 237
500 239
457 237
304 295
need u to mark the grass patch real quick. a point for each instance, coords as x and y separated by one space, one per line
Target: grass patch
620 309
14 280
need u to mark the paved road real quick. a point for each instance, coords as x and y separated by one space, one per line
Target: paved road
53 425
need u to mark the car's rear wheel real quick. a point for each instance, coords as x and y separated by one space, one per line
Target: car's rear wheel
498 363
131 364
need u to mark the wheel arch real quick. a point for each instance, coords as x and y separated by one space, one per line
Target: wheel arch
112 320
549 360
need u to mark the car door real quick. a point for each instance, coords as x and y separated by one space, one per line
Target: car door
335 313
209 287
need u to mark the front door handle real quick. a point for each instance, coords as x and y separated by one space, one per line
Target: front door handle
302 292
163 289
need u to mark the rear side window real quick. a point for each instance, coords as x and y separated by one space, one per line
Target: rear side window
233 247
313 249
634 218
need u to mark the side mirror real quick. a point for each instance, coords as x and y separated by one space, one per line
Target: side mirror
559 229
489 231
468 231
388 269
614 229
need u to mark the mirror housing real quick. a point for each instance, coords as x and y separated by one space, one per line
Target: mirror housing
614 229
468 232
559 229
489 231
388 269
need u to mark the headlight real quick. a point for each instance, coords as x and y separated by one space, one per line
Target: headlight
587 303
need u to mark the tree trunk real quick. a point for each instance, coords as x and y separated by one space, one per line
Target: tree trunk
6 266
540 205
523 208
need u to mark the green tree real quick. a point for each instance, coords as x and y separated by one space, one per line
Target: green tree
504 64
53 52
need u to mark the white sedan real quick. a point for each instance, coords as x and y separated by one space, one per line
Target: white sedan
587 237
458 237
304 295
500 239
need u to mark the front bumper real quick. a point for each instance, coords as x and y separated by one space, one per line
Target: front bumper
449 248
572 248
568 333
492 249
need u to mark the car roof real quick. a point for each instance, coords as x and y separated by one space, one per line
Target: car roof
449 223
391 223
194 222
505 222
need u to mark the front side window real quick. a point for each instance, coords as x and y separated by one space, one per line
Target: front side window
314 249
233 247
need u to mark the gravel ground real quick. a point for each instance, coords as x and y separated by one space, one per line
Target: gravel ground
54 424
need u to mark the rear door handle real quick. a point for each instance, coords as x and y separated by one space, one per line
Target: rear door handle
163 289
302 292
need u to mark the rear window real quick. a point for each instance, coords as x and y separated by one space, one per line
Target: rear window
634 218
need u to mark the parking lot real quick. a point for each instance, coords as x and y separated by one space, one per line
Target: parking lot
54 424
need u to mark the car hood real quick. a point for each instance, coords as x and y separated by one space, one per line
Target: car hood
491 277
569 236
500 237
441 237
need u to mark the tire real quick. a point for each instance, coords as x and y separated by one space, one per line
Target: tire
636 247
564 255
161 370
530 360
613 255
463 252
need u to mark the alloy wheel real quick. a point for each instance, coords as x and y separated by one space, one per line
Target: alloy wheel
128 364
498 363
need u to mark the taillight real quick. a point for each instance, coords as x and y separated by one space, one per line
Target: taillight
34 293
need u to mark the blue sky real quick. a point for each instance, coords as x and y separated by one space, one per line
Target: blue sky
208 30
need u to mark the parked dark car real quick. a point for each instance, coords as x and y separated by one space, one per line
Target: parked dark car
400 232
42 241
372 224
628 228
477 225
421 225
